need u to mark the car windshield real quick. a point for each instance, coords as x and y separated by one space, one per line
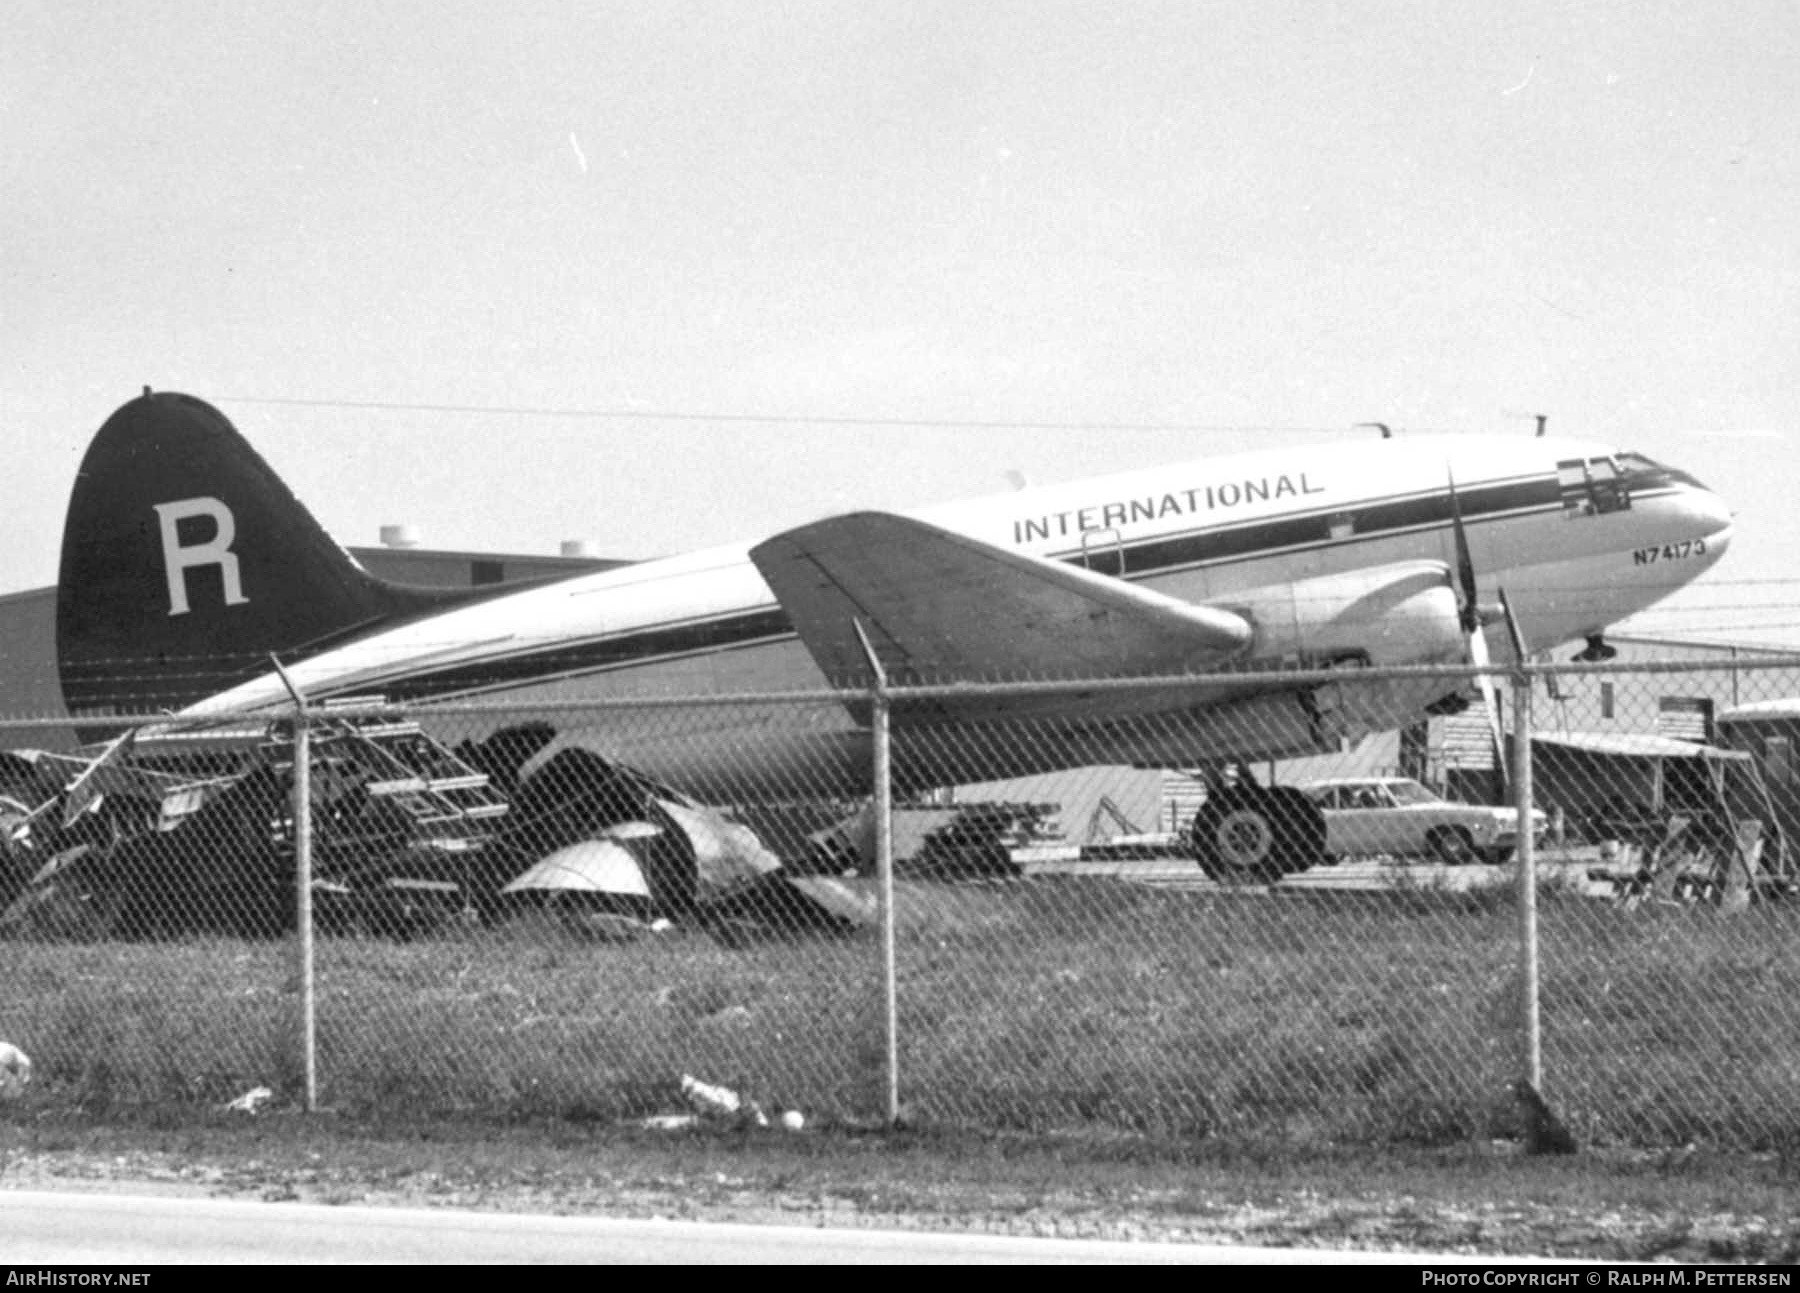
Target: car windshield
1411 792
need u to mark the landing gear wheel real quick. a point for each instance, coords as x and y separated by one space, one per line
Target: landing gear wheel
1248 835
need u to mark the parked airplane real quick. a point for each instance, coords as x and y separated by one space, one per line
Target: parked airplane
186 563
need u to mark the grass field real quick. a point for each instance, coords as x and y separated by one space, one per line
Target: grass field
1059 1005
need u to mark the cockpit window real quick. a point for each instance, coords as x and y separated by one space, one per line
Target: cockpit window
1606 485
1645 473
1592 486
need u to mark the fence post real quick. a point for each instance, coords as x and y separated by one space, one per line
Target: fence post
309 1054
303 904
1528 933
884 871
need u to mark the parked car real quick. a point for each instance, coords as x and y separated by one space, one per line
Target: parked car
1396 815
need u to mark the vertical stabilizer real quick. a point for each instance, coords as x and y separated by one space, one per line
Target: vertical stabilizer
186 562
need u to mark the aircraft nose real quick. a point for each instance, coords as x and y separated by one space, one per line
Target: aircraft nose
1714 518
1711 511
1717 542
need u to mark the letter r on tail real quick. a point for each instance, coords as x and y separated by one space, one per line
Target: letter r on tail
216 551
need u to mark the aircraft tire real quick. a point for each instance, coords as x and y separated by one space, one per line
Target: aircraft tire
1249 835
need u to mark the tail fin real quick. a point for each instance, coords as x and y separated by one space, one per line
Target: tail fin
186 562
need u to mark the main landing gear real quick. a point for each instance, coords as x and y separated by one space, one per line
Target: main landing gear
1246 834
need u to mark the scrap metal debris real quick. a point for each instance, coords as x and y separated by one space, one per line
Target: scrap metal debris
195 834
251 1101
721 1103
154 840
15 1071
589 836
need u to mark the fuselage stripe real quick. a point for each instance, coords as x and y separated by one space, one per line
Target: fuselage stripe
1145 559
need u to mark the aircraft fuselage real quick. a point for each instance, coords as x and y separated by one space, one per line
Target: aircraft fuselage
1579 536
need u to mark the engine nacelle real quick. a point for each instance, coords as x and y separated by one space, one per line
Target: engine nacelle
1405 613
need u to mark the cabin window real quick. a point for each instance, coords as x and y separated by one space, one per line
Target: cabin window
1591 487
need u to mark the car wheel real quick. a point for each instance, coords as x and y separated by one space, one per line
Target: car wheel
1497 856
1452 846
1253 836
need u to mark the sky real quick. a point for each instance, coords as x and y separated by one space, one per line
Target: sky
663 275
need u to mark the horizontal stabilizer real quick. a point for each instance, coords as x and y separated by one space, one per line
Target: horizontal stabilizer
942 607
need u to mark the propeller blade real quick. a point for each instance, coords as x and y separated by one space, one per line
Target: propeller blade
1513 631
1490 701
1473 616
1465 562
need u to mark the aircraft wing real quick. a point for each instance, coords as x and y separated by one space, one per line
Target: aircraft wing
942 607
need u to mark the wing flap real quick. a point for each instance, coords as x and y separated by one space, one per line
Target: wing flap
942 607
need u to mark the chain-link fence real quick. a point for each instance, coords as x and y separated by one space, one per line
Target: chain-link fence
1071 922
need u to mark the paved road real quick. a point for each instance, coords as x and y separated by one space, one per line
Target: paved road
126 1230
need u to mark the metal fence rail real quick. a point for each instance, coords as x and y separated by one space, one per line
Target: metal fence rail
626 911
